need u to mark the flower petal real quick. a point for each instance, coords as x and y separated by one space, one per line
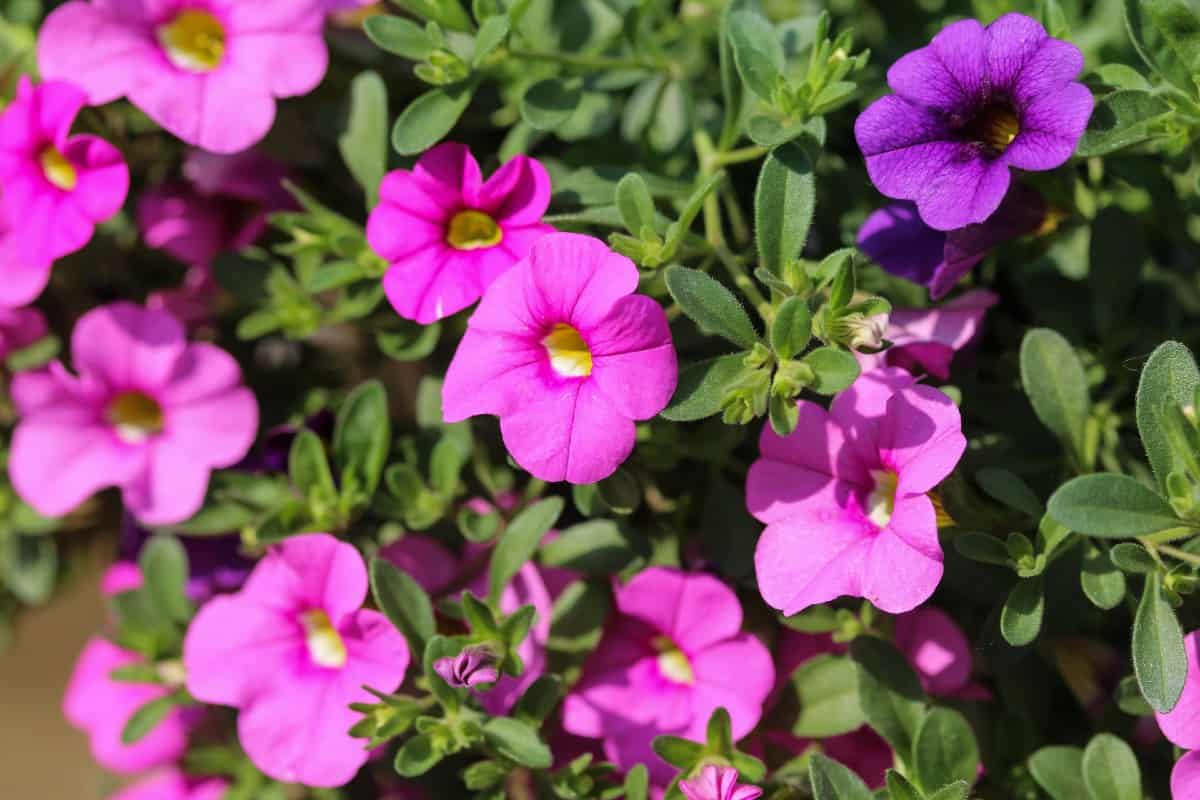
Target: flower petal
948 75
811 559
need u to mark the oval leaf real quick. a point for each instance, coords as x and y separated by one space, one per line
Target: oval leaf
710 305
1111 506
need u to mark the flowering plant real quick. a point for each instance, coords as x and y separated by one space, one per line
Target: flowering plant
586 399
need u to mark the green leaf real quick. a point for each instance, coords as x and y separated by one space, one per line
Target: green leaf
1124 118
832 781
364 143
1169 377
1059 771
578 616
635 204
637 783
1166 33
982 547
835 369
718 734
784 201
1054 379
944 750
1110 770
1021 616
492 33
791 329
682 753
550 102
955 791
362 435
827 687
309 468
757 52
1132 557
428 119
417 757
900 789
404 603
599 547
888 692
784 414
164 566
449 13
702 387
409 345
1111 506
520 540
1159 655
399 36
517 741
710 305
1102 582
1008 488
146 719
539 700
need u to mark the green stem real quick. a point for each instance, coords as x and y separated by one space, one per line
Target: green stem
1182 555
742 155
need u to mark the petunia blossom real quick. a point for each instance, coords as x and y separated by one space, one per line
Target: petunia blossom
897 238
101 707
447 233
292 650
208 71
845 496
564 352
673 654
148 412
19 328
55 185
1181 725
972 105
925 340
718 783
171 784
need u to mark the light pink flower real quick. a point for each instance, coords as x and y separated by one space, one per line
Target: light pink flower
101 706
845 496
718 783
172 784
564 352
148 413
926 340
208 71
19 328
673 654
448 234
57 186
292 650
1181 726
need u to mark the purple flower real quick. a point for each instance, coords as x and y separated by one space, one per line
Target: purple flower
904 245
718 783
973 103
474 666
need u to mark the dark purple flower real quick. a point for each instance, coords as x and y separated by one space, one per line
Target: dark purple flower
474 666
972 104
896 237
215 563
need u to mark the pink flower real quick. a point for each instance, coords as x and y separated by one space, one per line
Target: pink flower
191 302
564 352
1181 726
718 783
208 71
845 496
448 234
57 186
101 706
292 650
926 340
172 784
19 328
673 655
148 413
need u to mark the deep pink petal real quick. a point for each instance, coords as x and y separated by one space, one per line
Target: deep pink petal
433 283
203 372
819 445
777 491
1182 724
396 233
171 486
1185 777
811 559
101 52
218 111
102 177
492 374
633 357
578 279
20 283
518 193
904 563
740 667
427 561
937 649
695 611
450 176
55 464
176 219
920 437
127 346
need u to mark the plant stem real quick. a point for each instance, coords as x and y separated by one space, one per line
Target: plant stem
752 153
1175 552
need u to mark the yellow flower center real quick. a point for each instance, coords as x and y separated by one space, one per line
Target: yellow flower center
473 230
135 416
57 169
997 127
569 353
672 662
194 40
325 645
881 502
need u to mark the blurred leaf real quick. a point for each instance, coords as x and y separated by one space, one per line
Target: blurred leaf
164 567
828 690
944 750
520 541
1021 617
364 143
1059 771
832 781
1110 770
399 36
549 103
1124 118
362 435
427 120
404 603
517 741
888 691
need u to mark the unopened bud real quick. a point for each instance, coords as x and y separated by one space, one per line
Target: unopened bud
475 665
860 333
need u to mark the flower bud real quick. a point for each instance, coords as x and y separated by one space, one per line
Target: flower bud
475 665
859 332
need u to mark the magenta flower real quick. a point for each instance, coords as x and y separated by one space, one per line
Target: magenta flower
564 352
148 413
973 104
903 245
448 234
292 650
1181 725
172 784
474 666
718 783
925 340
208 71
845 496
58 186
19 328
100 707
673 655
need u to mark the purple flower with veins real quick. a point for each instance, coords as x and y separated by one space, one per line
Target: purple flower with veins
718 783
474 666
972 104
